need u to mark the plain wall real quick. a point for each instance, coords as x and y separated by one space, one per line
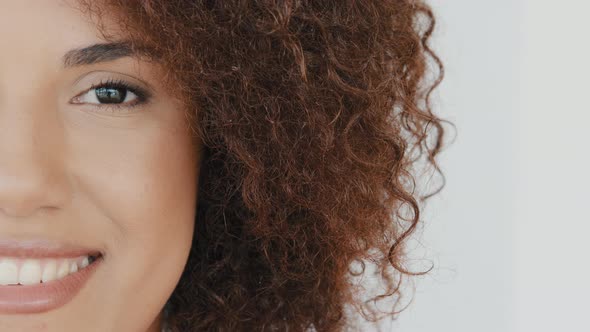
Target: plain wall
468 230
552 274
509 235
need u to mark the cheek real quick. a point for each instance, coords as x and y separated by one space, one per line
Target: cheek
142 186
144 183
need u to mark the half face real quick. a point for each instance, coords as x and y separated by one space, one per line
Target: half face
98 174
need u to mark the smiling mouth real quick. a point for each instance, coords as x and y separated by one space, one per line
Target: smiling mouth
29 271
37 276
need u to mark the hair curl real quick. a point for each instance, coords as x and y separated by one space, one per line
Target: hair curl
313 116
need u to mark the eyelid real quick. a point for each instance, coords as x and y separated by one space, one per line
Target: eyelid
140 92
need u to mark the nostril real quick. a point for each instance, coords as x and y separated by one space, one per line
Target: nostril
22 195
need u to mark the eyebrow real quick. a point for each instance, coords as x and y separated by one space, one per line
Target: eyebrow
102 52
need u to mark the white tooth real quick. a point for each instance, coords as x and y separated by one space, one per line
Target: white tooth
49 271
73 266
63 269
8 272
30 272
84 262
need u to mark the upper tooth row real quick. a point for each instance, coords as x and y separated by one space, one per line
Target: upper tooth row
31 271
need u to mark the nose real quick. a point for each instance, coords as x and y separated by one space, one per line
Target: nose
32 174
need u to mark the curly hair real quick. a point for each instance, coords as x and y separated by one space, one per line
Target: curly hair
313 116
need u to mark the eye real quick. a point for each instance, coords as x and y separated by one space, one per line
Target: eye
112 94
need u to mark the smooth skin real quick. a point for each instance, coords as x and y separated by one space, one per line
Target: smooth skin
119 180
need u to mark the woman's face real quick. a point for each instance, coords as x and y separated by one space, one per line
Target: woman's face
84 170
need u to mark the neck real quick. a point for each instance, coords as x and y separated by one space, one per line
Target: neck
156 325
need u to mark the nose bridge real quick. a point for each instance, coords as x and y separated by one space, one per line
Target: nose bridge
32 170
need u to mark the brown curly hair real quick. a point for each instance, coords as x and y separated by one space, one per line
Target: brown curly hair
313 116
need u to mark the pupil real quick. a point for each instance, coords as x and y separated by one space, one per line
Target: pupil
111 95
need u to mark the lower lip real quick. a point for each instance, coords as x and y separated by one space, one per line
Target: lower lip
42 297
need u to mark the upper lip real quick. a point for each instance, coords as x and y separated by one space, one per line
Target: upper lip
42 248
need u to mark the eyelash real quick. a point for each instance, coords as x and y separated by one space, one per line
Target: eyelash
143 96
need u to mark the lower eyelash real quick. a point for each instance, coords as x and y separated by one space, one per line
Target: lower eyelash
118 108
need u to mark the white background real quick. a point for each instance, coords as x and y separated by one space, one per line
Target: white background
509 235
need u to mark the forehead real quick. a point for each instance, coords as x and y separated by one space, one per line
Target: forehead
53 36
46 30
